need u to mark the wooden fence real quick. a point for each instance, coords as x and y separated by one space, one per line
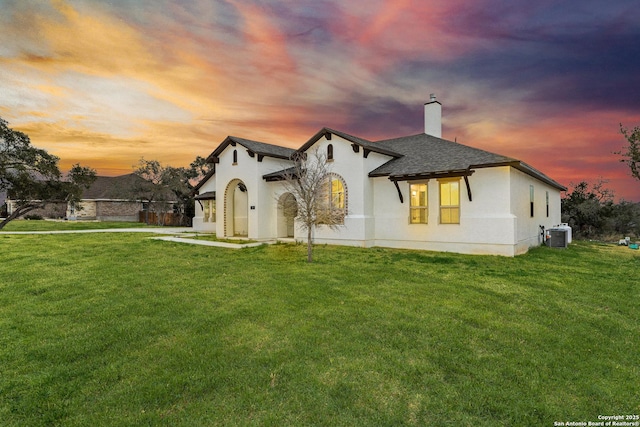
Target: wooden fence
170 219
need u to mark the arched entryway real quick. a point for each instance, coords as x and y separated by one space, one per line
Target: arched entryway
236 209
287 212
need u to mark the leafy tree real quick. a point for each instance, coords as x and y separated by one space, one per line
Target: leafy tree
31 176
198 169
152 189
624 219
632 153
585 208
308 182
163 186
178 181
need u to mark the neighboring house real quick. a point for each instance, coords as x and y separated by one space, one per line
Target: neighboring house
53 209
416 192
111 199
117 198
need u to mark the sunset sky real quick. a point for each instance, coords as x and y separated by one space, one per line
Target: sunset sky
104 83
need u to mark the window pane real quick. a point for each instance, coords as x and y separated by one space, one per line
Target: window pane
445 217
450 215
418 215
455 215
337 194
418 194
445 195
455 193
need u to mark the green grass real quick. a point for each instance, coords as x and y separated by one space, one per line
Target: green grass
120 330
47 225
213 238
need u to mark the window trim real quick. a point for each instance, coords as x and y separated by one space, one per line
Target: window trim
424 207
547 197
329 194
531 201
448 207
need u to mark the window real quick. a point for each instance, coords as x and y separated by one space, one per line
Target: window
418 204
547 196
450 201
209 210
330 152
531 200
235 157
334 191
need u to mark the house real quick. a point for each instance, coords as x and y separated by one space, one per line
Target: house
108 199
120 198
417 192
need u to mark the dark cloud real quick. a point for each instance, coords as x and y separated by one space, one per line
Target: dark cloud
584 58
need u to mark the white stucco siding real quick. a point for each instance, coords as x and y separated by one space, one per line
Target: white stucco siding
266 203
486 224
260 212
353 168
528 226
198 219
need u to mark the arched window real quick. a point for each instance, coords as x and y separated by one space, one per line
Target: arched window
235 157
330 152
335 194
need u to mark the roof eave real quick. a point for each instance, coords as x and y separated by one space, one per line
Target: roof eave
431 175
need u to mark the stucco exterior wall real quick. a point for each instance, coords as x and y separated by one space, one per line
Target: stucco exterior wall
486 224
258 211
528 232
353 168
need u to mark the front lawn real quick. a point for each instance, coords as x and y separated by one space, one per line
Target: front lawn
51 225
121 330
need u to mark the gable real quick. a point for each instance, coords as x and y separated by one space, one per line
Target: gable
366 145
253 148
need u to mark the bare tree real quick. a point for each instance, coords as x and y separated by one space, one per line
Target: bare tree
309 181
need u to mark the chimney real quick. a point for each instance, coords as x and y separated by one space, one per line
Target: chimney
433 117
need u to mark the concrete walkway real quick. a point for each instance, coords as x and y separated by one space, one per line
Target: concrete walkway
183 239
176 234
157 230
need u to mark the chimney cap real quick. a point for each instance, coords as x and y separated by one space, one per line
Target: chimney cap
432 99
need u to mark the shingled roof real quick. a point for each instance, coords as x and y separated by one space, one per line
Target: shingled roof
111 187
117 188
255 147
420 156
425 156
